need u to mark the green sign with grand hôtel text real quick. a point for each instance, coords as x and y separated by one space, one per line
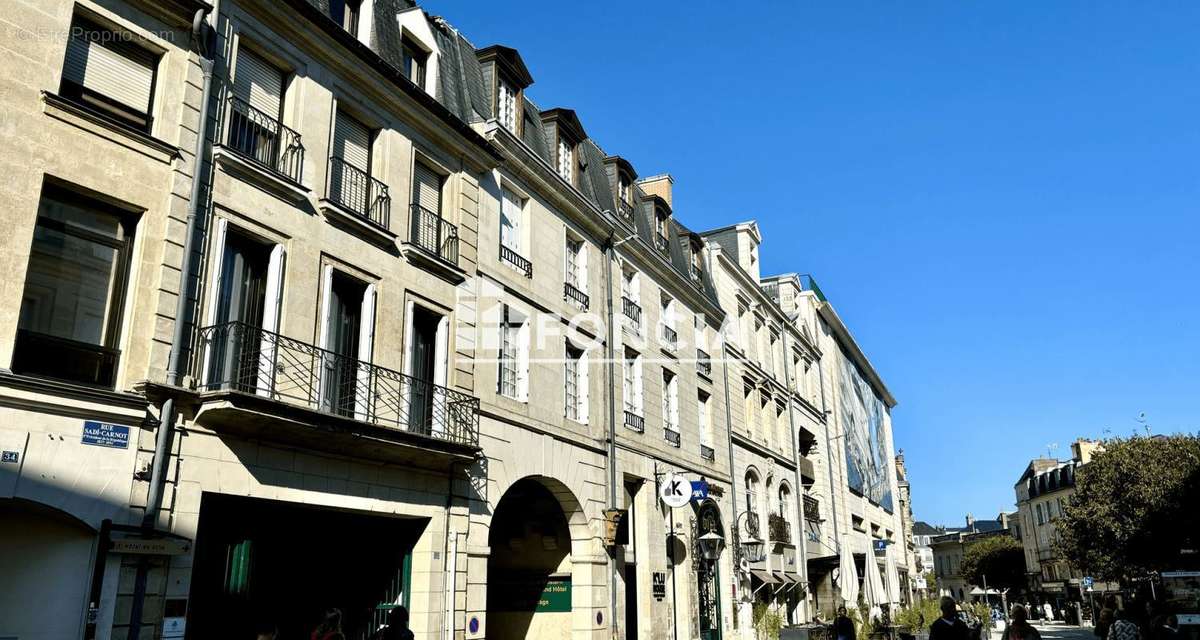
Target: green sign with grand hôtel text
545 595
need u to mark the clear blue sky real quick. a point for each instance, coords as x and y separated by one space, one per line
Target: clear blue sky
1000 199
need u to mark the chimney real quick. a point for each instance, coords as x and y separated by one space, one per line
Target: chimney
970 522
1083 450
660 186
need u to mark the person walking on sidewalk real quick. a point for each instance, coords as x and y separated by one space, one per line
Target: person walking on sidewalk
1018 626
843 626
1123 628
949 626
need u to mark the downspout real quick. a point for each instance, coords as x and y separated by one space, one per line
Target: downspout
606 249
203 37
794 437
732 469
450 565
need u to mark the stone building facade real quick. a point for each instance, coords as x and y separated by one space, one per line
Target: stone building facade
311 306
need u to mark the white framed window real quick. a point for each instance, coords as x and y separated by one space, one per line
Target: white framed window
576 264
514 355
506 106
632 370
630 285
785 502
670 401
667 318
752 493
512 213
703 418
566 159
575 382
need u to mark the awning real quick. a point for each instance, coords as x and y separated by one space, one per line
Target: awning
765 577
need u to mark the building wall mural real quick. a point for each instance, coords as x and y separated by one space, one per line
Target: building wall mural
867 458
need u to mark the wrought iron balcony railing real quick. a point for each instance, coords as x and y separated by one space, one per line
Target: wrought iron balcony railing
707 452
660 241
433 234
240 357
263 140
703 363
779 528
571 292
516 260
634 421
670 336
670 434
357 191
697 274
625 212
631 310
812 509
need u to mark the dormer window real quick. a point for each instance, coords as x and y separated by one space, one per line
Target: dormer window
662 225
506 74
414 59
506 106
566 159
345 13
697 263
625 189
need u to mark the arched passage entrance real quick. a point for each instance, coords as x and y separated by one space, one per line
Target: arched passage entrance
529 567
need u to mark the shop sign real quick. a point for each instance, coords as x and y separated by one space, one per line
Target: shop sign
675 490
881 545
151 546
550 595
103 434
699 490
659 585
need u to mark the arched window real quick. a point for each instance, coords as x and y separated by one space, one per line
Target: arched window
785 501
752 493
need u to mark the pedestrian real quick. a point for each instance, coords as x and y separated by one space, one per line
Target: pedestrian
1048 611
397 626
1019 627
1105 619
1168 629
1123 628
330 627
843 626
949 626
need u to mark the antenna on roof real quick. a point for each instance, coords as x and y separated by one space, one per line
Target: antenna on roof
1050 449
1141 418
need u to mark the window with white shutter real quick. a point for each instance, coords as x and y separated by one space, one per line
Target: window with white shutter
575 383
514 355
506 106
105 71
702 419
566 160
511 212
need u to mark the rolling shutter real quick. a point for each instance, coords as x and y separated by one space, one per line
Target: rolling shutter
258 83
427 188
352 141
95 62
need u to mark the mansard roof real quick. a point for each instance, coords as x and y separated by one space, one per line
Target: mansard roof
509 60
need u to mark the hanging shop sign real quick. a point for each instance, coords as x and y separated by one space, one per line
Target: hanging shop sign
103 434
675 490
699 490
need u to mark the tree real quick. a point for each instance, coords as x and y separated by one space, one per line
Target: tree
1134 508
999 558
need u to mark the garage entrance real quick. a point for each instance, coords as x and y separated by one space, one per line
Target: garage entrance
283 563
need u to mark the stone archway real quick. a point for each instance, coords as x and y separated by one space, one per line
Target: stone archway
537 530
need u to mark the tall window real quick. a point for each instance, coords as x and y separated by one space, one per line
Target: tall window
347 333
702 420
1038 508
632 369
108 73
345 13
506 106
514 355
785 502
667 315
624 190
576 264
512 209
670 401
576 385
413 59
566 159
70 319
752 494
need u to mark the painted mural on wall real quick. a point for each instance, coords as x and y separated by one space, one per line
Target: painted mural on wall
867 458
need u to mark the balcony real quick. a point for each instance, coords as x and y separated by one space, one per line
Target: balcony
625 212
632 311
703 363
573 294
433 244
707 452
812 509
671 435
634 421
265 385
660 242
355 190
263 140
670 337
516 261
779 528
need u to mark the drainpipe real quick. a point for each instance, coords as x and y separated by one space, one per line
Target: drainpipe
735 535
795 442
607 249
204 40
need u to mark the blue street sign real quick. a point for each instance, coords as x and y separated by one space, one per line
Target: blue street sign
881 545
699 490
1087 582
103 434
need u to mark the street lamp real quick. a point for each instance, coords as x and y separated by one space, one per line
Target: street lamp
752 548
711 544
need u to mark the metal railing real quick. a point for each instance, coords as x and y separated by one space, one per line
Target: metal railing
632 310
634 421
812 509
571 292
697 275
625 212
779 528
263 139
703 363
516 260
240 357
670 336
670 434
433 234
660 241
707 452
355 189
